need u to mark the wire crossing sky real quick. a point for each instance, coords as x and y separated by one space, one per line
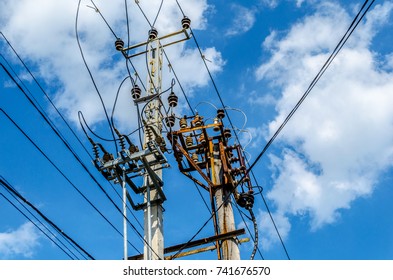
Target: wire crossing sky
325 178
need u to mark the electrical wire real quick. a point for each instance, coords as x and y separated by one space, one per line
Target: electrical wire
316 79
90 73
44 217
326 65
254 239
256 247
169 62
128 27
44 226
158 13
89 173
38 227
43 91
59 170
81 118
225 109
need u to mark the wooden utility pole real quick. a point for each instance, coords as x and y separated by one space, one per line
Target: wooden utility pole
226 221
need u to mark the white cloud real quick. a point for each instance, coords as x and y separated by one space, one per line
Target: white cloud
274 3
243 20
268 234
341 138
20 242
45 37
270 3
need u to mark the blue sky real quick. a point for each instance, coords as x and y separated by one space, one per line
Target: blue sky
327 178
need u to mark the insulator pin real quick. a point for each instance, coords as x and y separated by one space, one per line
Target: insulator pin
107 157
173 138
185 22
133 149
233 159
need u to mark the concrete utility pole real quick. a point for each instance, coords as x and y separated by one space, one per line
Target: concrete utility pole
226 221
153 227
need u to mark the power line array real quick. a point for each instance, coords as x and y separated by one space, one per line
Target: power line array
199 148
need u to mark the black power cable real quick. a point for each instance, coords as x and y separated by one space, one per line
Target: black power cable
61 172
46 219
79 161
316 79
91 74
326 65
43 225
44 92
38 227
226 111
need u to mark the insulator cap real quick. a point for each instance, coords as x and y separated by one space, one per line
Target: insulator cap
197 120
107 157
189 141
185 22
227 133
173 139
202 139
172 99
245 200
195 157
216 127
133 149
119 44
170 121
153 33
183 122
136 92
220 114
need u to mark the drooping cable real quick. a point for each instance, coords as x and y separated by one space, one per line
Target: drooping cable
256 247
80 115
91 74
254 239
